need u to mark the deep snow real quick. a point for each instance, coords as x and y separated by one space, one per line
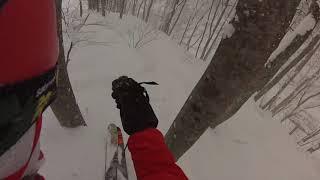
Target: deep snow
250 146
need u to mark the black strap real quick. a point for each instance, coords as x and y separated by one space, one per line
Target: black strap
2 3
145 91
149 83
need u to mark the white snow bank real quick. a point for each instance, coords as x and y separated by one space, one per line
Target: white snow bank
305 25
247 147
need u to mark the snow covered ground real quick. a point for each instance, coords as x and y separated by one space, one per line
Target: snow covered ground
250 146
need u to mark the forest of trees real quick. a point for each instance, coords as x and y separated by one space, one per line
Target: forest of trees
239 38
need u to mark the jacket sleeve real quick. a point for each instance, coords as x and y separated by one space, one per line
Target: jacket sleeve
152 158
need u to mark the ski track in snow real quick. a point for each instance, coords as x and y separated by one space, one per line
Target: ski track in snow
250 146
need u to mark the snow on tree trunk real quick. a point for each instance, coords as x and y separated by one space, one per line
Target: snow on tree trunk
303 59
65 106
294 46
291 49
236 71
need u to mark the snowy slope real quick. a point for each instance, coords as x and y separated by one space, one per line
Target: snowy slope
248 147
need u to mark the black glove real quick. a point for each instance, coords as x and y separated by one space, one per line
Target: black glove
133 101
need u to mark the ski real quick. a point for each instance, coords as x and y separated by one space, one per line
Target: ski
123 163
115 159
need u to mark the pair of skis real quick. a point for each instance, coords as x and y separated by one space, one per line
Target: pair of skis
115 159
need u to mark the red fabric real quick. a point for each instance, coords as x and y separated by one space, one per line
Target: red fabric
39 177
19 174
152 158
29 43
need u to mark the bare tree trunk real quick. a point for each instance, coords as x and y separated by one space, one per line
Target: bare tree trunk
292 96
65 106
294 46
218 33
178 17
114 6
314 149
94 4
190 20
168 17
235 73
301 88
290 50
80 8
98 5
194 30
144 9
293 130
103 7
68 53
312 49
126 5
205 28
122 8
212 31
109 5
140 8
185 30
297 124
90 4
310 136
149 10
133 12
292 64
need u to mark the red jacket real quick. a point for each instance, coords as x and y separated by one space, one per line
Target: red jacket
152 158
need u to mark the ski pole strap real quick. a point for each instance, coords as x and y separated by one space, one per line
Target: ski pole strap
145 91
149 83
21 105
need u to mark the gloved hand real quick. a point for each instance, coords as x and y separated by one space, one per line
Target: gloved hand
133 101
